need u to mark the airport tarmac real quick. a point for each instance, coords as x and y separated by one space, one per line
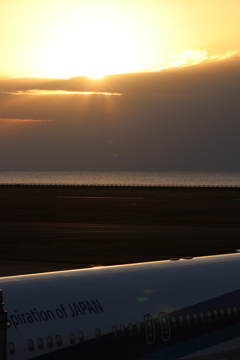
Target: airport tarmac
48 228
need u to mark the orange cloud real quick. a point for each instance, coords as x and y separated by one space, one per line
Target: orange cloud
61 92
23 120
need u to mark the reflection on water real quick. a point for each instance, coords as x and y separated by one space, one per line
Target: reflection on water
122 178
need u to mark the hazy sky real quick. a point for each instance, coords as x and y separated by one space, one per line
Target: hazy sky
172 103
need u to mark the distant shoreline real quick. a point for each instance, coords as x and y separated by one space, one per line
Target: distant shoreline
121 178
124 186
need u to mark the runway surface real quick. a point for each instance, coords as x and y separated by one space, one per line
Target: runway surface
45 228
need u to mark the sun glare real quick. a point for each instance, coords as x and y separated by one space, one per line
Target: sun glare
96 75
103 42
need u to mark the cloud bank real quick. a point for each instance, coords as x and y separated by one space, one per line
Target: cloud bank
184 118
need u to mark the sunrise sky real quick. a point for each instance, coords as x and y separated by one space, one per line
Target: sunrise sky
119 85
64 38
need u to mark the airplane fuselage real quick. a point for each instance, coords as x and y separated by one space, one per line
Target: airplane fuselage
188 308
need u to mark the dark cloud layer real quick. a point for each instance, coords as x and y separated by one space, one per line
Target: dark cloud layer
176 119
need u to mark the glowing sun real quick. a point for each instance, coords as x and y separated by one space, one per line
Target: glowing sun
99 43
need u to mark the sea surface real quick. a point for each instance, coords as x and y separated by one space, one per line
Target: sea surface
120 178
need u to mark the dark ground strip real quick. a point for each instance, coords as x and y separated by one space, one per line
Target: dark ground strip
46 228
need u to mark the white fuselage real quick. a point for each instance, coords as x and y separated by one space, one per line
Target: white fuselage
159 310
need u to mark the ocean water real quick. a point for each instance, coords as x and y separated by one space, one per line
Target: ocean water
121 178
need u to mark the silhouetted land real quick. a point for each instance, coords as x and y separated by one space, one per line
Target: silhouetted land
46 228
